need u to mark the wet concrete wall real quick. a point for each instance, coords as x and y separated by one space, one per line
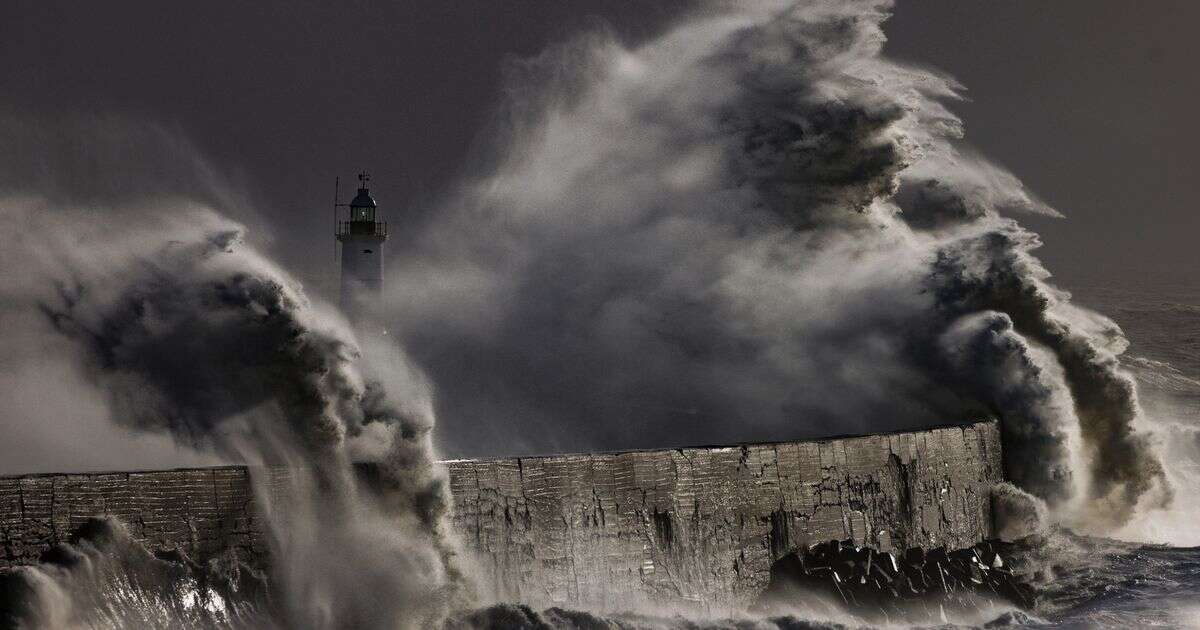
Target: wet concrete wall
202 511
664 527
704 525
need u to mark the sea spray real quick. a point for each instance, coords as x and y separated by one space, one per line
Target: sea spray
755 226
190 332
751 226
102 578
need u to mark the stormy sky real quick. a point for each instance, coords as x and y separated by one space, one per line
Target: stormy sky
589 327
1090 103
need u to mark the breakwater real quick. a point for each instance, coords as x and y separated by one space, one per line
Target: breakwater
689 526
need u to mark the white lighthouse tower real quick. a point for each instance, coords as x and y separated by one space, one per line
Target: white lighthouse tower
362 238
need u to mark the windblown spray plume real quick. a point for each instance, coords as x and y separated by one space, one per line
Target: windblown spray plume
756 227
191 333
752 227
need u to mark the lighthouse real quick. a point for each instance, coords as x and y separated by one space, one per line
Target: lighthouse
362 238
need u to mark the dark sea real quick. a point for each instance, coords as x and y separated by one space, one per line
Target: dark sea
1105 583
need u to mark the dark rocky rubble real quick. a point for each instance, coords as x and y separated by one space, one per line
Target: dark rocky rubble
915 585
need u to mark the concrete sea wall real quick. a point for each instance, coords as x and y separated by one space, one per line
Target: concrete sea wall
202 511
662 527
704 525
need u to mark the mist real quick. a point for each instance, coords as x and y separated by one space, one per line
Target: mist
184 338
752 227
756 227
61 180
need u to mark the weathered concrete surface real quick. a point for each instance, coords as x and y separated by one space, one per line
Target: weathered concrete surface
703 525
201 511
609 530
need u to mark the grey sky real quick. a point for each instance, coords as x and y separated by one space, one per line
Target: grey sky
1090 103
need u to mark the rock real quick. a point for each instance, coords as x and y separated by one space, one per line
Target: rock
874 583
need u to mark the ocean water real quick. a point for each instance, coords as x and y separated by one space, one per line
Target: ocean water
1149 578
1104 583
1160 314
1083 583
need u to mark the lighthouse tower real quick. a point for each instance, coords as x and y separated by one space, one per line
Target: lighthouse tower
362 240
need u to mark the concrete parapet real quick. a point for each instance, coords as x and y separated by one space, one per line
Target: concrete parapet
688 526
704 525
